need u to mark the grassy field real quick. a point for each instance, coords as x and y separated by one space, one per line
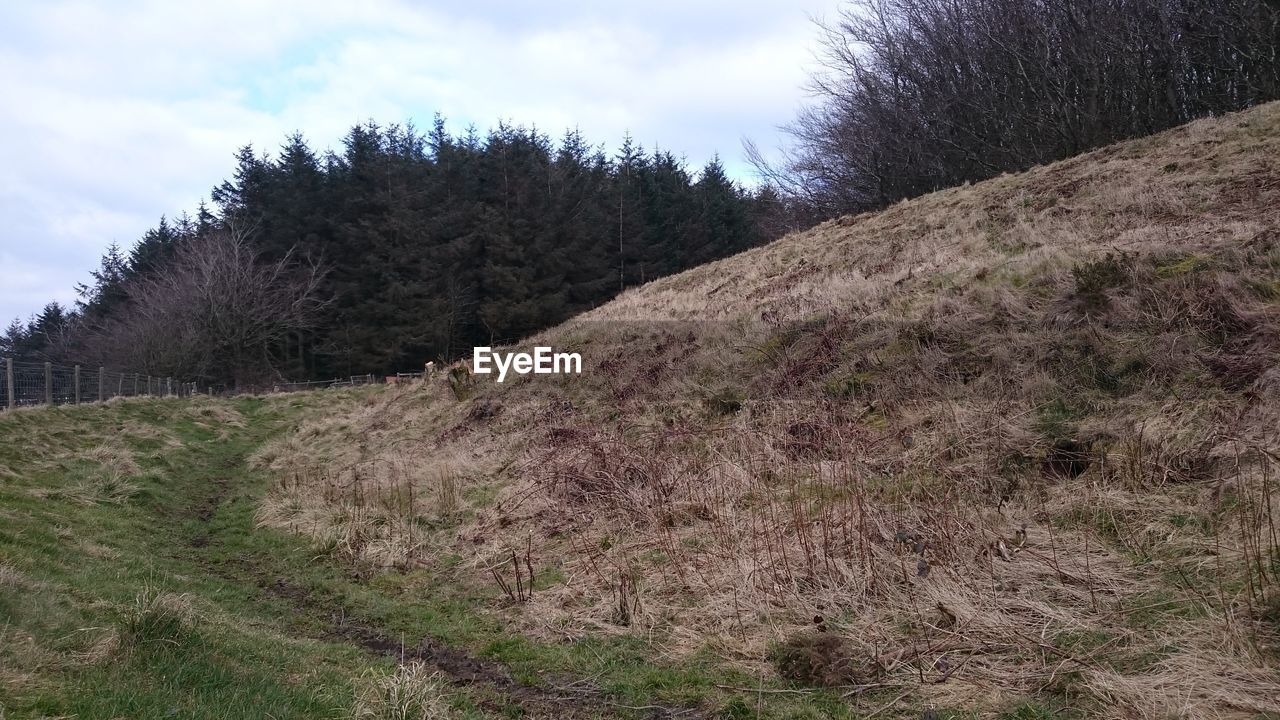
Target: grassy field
1008 450
134 583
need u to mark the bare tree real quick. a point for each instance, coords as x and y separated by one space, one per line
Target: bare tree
216 311
915 95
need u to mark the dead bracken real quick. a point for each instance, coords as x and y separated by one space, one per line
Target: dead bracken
985 437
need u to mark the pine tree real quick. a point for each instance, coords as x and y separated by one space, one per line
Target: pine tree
154 249
47 334
629 167
14 339
108 290
435 242
723 225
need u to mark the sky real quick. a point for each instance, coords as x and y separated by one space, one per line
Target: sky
115 113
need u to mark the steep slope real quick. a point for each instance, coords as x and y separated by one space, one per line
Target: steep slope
1011 442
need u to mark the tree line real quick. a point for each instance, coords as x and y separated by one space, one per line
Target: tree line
404 246
918 95
398 248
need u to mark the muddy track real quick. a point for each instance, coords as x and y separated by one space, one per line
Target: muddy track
464 669
499 691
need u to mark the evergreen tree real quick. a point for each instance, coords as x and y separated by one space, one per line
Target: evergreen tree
722 223
434 242
630 166
108 290
14 339
154 249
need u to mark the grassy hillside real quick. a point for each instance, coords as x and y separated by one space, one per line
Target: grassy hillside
1004 450
134 584
130 585
1008 443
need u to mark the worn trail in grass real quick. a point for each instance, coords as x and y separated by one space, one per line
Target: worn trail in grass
221 522
105 613
259 627
134 583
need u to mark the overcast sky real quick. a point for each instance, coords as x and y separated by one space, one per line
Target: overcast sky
113 114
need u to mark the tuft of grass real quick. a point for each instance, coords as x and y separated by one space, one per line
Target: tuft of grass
156 617
1189 264
849 386
1038 711
96 490
1056 419
10 577
411 692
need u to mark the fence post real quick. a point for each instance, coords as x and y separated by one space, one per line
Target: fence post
120 385
102 381
8 374
76 380
148 384
168 386
48 383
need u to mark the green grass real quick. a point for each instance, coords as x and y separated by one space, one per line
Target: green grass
94 643
166 601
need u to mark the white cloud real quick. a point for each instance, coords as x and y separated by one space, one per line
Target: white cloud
117 113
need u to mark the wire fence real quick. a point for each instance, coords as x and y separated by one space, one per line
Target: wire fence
29 383
296 386
26 383
290 386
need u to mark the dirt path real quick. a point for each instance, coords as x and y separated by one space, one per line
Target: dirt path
570 698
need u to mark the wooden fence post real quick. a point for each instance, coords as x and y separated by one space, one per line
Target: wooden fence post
148 384
168 386
75 378
102 382
120 385
8 374
48 383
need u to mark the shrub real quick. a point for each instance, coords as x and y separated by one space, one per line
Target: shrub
725 401
461 382
1096 277
819 659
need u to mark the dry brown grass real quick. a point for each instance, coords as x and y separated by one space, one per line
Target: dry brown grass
412 692
378 512
11 577
1005 440
108 481
21 659
214 414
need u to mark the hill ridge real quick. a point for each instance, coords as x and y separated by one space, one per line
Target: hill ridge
975 446
1148 167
